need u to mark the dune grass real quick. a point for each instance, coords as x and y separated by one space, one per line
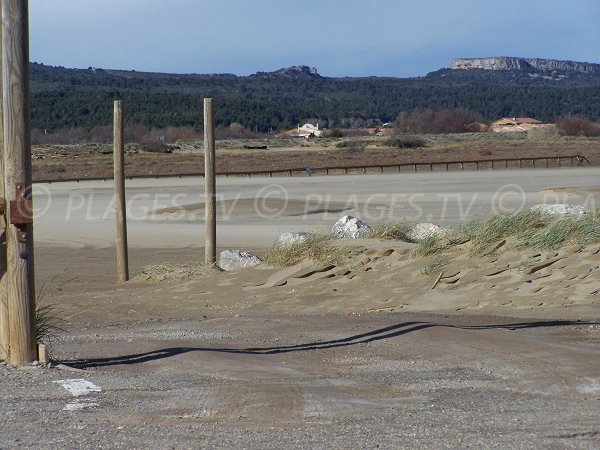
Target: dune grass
522 230
393 230
584 230
317 248
436 265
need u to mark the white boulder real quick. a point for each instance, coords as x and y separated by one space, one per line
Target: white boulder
350 227
237 259
559 209
422 231
293 237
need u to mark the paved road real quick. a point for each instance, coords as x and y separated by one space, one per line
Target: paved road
253 212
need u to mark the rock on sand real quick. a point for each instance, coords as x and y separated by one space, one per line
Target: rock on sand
237 259
293 237
559 209
350 227
422 231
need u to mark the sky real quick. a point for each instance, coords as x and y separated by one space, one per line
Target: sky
398 38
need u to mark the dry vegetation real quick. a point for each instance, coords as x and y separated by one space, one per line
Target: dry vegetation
317 249
523 230
54 162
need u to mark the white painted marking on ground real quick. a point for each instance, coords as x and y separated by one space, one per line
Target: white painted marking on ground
80 404
591 386
79 386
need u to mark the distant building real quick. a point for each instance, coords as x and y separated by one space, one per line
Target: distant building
305 131
518 125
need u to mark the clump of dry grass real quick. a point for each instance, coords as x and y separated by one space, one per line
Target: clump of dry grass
406 141
48 319
47 324
352 145
392 230
436 265
317 248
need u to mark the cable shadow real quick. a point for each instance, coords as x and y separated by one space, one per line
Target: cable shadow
363 338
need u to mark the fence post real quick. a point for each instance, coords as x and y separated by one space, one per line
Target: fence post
120 205
4 321
210 209
17 188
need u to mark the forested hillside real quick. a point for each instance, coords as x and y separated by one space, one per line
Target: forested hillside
65 98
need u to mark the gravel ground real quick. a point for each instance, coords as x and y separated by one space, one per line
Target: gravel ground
390 381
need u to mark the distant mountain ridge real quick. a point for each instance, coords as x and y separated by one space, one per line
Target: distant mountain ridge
513 63
544 89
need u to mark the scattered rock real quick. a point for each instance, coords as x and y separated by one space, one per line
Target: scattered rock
237 259
422 231
293 237
350 227
559 209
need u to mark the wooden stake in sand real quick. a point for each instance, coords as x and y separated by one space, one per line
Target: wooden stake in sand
17 176
210 209
120 206
437 280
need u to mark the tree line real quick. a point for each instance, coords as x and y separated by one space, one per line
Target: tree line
67 98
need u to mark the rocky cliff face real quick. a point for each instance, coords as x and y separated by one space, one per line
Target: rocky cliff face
510 63
293 72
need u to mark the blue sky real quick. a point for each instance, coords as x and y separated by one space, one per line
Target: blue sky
339 37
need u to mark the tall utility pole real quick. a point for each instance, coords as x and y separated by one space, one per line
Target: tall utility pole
17 178
210 201
4 324
120 206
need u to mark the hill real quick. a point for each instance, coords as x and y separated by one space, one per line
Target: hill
274 100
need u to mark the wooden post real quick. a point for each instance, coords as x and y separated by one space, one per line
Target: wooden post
4 322
210 209
120 206
17 177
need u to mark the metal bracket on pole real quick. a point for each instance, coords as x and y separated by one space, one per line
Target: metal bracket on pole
21 212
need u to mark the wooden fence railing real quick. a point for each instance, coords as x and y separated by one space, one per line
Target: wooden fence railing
480 164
